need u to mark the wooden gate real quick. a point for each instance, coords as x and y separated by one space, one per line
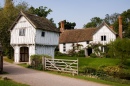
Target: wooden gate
61 65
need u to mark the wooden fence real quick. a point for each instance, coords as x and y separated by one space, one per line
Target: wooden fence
61 65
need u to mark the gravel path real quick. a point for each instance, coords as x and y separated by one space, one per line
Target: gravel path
38 78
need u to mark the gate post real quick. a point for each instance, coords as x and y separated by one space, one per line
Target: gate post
43 62
1 60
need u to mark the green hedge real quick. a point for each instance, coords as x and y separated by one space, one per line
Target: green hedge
109 73
36 61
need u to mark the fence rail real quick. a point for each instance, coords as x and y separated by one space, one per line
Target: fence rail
61 65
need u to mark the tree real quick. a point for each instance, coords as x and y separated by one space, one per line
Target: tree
22 6
68 25
120 49
8 14
41 11
94 22
125 22
111 19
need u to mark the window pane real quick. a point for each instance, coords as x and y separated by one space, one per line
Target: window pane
104 38
43 34
64 47
101 38
87 42
21 32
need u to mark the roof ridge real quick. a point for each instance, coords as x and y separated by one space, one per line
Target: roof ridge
80 29
37 21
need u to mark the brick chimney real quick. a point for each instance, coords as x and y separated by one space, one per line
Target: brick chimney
120 26
62 28
112 27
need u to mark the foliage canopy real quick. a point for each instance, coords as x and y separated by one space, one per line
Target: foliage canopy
120 49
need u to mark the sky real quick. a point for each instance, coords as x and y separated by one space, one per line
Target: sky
78 11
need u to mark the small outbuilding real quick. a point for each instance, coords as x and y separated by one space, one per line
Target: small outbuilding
31 34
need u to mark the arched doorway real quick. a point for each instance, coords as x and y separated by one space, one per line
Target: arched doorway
24 54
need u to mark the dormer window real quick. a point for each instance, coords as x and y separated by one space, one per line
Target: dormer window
22 32
43 34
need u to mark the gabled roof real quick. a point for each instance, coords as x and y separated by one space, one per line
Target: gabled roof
104 24
81 35
77 35
37 22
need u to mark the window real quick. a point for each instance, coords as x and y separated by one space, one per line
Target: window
22 32
43 34
73 46
103 38
87 42
64 47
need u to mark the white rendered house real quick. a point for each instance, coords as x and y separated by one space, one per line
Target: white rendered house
103 34
31 35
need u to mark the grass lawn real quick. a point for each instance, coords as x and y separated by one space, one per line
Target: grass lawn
93 62
10 83
96 63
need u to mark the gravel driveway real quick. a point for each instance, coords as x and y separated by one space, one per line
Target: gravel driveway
39 78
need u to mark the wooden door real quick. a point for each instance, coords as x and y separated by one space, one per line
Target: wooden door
24 54
89 51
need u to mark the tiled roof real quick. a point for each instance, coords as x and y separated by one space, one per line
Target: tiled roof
76 35
37 22
81 35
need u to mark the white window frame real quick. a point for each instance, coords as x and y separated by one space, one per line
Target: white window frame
22 31
103 38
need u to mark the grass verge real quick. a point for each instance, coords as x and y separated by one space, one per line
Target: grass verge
7 60
10 83
88 79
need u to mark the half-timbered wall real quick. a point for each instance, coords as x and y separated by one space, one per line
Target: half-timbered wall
29 32
104 31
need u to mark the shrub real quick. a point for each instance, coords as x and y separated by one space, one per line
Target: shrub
89 71
57 53
80 53
36 61
93 55
120 49
112 70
